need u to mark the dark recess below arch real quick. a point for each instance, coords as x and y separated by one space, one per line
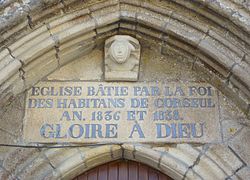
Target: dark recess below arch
123 170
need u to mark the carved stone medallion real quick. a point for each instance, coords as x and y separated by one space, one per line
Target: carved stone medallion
122 57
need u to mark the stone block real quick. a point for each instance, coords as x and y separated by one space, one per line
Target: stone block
5 58
4 150
224 159
86 67
13 86
194 22
211 63
240 144
247 58
57 156
185 153
7 137
229 111
135 3
11 116
243 173
184 32
152 20
127 26
167 11
86 159
230 128
9 70
175 168
100 155
78 41
39 68
19 158
149 32
207 169
25 43
39 168
128 12
36 50
219 52
106 19
242 89
107 28
5 174
111 4
242 72
69 165
77 51
226 42
128 151
73 29
147 156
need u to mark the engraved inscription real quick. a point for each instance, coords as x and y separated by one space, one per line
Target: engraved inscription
92 112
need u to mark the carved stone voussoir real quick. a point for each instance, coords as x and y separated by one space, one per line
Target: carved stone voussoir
122 57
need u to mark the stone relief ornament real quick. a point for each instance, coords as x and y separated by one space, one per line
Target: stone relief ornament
122 57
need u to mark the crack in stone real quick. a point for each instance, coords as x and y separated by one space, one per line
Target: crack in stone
243 162
111 152
57 44
21 71
30 23
133 152
196 162
234 173
243 59
123 151
230 73
160 159
47 159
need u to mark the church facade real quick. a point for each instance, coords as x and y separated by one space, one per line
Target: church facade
116 89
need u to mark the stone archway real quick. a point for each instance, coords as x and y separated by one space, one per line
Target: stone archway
213 35
181 162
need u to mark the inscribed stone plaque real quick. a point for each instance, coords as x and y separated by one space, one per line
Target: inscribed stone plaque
108 112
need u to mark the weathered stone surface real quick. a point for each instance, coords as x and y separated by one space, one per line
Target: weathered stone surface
11 117
19 158
217 51
9 70
43 65
39 168
224 158
242 72
6 137
75 51
238 144
5 174
230 128
225 22
229 111
81 68
118 121
243 173
56 156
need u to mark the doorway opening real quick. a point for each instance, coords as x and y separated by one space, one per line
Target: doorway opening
123 170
